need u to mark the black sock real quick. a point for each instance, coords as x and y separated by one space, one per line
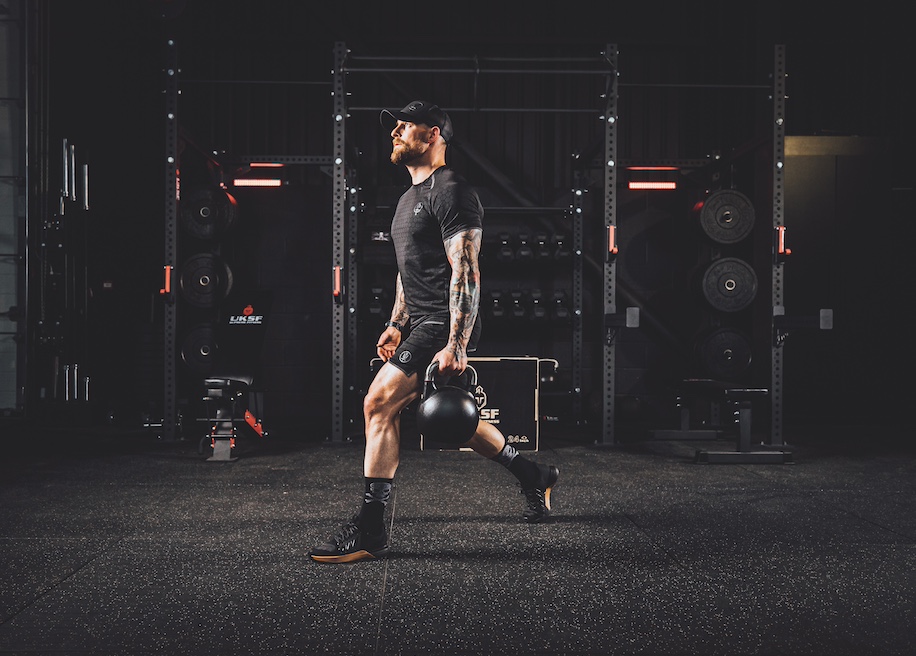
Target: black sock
375 499
523 469
506 456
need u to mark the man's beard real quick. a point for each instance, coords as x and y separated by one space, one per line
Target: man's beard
406 153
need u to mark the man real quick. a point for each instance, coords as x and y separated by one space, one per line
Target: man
436 232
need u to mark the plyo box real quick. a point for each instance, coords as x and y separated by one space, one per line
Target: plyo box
507 397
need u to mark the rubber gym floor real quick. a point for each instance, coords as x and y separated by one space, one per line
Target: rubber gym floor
118 544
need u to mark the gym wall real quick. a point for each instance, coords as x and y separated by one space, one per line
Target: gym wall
254 85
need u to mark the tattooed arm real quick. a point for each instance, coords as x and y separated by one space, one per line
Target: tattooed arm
389 340
462 250
399 314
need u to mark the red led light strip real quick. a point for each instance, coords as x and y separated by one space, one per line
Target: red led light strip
635 184
257 182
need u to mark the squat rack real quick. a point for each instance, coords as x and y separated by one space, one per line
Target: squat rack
345 208
345 203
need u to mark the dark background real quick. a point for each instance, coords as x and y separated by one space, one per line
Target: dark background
850 217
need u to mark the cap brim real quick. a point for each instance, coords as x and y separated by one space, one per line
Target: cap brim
384 116
393 115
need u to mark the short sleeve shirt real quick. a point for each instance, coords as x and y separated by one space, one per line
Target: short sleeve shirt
427 214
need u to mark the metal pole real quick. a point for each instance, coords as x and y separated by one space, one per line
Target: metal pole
170 311
338 254
354 407
33 33
578 297
475 71
610 264
779 151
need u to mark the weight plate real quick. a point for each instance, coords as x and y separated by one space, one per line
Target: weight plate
207 213
729 284
727 216
205 280
725 353
198 349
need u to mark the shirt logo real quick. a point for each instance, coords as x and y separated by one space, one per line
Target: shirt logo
418 209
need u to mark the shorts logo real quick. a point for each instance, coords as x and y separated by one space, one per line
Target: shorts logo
404 357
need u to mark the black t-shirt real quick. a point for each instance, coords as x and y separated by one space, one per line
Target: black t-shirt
427 214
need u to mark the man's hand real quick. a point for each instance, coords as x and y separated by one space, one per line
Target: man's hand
388 343
452 360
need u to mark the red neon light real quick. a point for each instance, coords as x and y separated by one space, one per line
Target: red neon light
652 168
781 241
337 288
167 285
257 182
266 165
652 185
612 240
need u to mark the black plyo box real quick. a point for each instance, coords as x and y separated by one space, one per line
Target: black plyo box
507 397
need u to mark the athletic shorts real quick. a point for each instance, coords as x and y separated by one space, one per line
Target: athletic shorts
426 337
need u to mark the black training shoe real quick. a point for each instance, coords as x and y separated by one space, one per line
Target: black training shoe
350 544
538 497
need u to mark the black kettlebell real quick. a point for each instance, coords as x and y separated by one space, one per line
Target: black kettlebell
447 413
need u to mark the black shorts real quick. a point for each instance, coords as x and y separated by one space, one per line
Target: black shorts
426 337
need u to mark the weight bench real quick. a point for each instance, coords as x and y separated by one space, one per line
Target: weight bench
720 393
223 403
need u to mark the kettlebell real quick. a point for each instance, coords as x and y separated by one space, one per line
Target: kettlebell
447 413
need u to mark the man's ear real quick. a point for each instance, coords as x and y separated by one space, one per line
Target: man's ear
433 134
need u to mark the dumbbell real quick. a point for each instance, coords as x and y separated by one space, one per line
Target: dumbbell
519 307
562 251
538 308
496 306
505 253
560 305
542 247
524 252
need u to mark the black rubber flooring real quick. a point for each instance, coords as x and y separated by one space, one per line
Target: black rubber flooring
121 546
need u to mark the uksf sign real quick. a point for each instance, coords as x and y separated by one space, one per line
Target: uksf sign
241 330
248 317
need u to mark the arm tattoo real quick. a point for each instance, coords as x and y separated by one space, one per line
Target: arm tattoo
399 312
464 292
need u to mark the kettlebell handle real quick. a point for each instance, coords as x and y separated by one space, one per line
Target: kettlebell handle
429 383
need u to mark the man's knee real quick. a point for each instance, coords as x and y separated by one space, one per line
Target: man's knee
375 403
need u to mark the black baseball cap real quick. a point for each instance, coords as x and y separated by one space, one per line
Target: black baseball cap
421 111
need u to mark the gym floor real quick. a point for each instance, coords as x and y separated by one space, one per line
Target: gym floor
116 544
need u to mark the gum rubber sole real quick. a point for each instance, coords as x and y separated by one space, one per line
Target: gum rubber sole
551 481
362 554
552 476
